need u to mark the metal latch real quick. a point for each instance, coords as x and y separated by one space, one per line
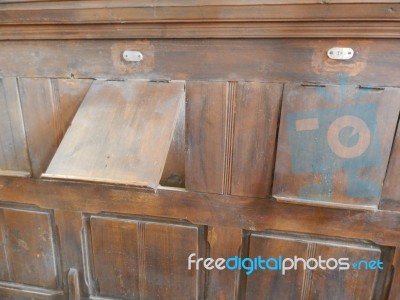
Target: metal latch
134 56
340 53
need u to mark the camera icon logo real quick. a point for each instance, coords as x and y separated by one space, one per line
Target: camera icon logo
327 140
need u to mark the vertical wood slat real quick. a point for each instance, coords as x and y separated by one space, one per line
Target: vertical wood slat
14 159
115 257
48 106
255 131
224 243
206 125
391 187
69 227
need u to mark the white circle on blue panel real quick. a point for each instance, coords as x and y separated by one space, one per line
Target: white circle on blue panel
358 128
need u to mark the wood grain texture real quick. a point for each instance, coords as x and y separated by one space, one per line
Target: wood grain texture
274 60
115 257
395 287
202 208
391 187
69 229
139 259
48 106
166 250
31 248
174 169
121 134
350 284
225 243
14 159
319 159
266 283
313 284
256 125
206 125
270 29
57 12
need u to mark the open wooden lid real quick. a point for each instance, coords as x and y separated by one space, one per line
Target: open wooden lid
121 134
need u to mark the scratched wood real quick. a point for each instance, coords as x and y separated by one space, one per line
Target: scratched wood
257 109
48 106
14 159
205 136
272 60
315 284
121 134
225 243
31 248
391 187
115 257
334 144
166 250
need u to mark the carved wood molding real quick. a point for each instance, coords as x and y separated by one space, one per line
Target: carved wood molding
198 19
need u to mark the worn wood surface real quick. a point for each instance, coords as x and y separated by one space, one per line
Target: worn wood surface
30 249
121 134
14 157
311 284
48 106
257 109
334 143
202 208
206 124
201 19
271 60
391 186
223 242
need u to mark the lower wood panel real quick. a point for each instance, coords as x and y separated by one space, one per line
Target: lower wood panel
139 259
316 284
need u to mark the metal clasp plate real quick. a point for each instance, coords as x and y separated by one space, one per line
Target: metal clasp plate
340 53
134 56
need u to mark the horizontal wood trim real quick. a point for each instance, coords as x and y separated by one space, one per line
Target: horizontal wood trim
202 208
268 60
21 290
204 30
198 19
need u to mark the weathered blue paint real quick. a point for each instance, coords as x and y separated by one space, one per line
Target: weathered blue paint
312 154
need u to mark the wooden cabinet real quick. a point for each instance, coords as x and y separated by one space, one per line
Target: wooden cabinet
234 135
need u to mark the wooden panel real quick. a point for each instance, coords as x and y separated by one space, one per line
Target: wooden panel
14 158
31 249
265 284
174 169
334 144
115 257
224 243
69 229
395 287
121 134
351 283
133 259
166 250
256 124
206 117
391 188
277 60
48 106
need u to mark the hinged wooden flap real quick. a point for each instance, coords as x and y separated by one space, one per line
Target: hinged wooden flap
121 133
